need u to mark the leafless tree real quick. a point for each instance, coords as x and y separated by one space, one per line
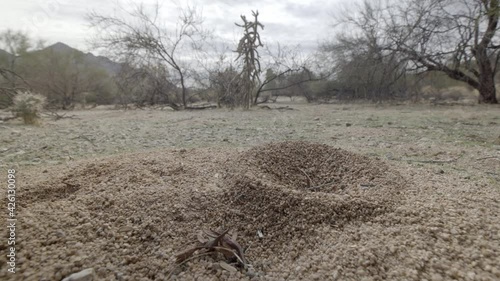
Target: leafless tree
64 77
227 85
242 83
139 34
217 76
12 79
145 85
286 68
456 37
9 88
363 70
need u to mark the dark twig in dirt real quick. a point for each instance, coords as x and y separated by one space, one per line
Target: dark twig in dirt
230 242
276 108
4 119
181 120
58 116
177 265
85 138
284 108
322 185
432 161
309 181
210 242
488 157
493 174
71 185
201 107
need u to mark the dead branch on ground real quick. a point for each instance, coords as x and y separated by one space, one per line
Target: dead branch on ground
5 119
84 138
211 106
431 161
488 157
309 181
56 116
213 242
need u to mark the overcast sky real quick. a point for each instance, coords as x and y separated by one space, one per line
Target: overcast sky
286 21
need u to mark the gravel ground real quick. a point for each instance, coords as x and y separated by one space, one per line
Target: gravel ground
376 193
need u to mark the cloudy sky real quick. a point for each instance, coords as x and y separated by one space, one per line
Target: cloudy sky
286 21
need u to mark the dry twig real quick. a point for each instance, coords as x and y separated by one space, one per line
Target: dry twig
432 161
488 157
309 181
210 242
4 119
58 116
85 138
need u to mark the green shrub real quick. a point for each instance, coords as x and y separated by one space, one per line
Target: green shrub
28 106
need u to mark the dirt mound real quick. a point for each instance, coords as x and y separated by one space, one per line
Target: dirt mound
318 167
156 203
95 176
285 190
108 212
302 211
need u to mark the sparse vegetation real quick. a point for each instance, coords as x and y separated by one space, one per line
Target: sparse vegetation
142 39
378 61
28 106
391 39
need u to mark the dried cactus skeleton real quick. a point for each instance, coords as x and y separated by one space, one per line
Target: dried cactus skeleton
247 52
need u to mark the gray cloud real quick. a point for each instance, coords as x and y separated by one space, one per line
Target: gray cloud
289 22
307 11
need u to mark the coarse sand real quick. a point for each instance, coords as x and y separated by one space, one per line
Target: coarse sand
302 211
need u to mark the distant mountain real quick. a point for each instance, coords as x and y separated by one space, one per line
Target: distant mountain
5 53
60 48
5 57
100 62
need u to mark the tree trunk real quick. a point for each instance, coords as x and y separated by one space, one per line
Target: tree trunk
184 101
257 94
184 90
487 91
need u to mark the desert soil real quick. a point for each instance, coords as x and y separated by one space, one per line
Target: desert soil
321 192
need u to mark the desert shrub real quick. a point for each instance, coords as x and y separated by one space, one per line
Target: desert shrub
5 99
194 98
447 95
98 97
28 106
